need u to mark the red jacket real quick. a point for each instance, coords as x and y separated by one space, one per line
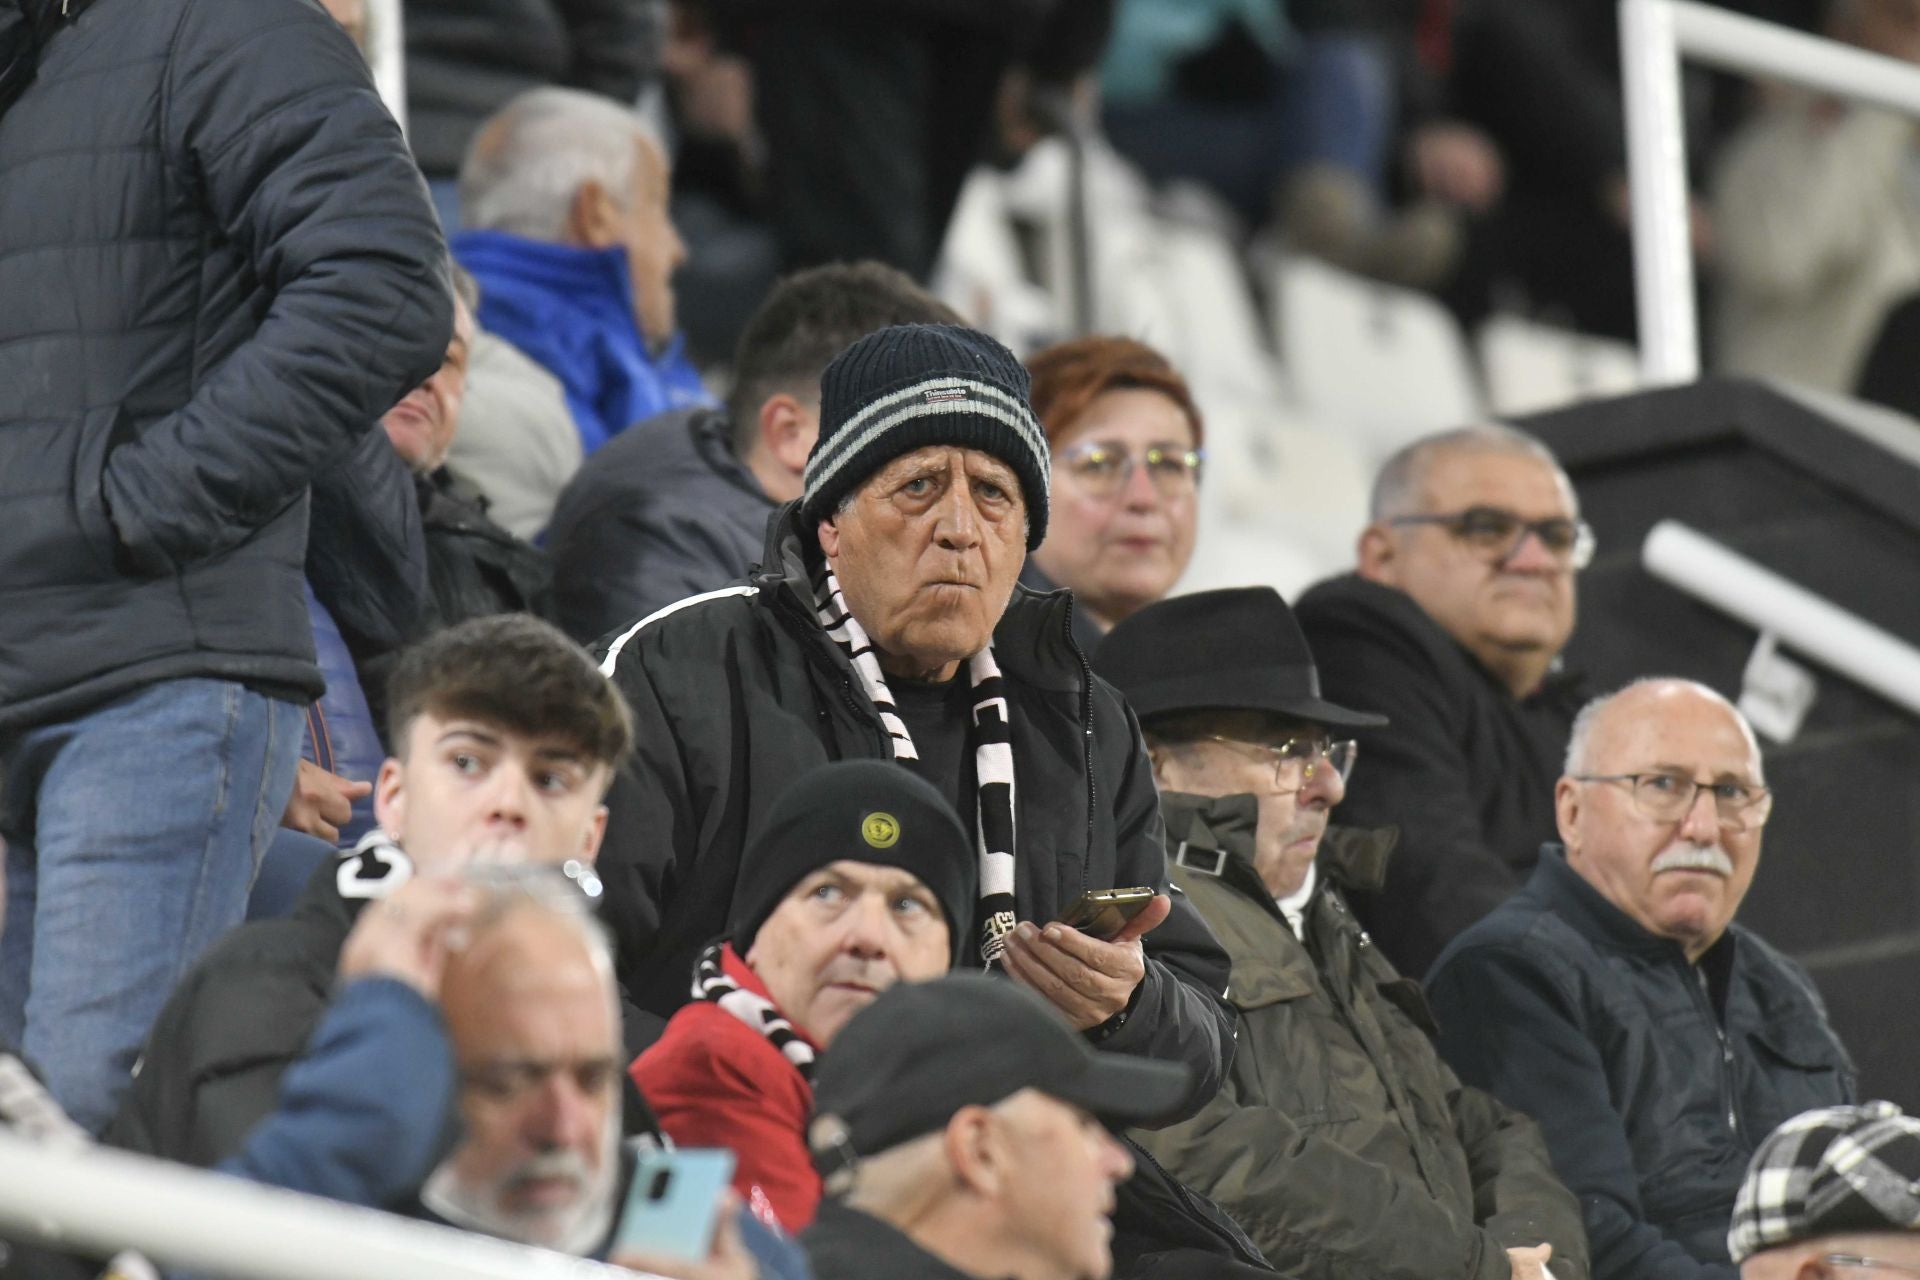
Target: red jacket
714 1081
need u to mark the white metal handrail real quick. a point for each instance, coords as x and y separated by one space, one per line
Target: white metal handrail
103 1201
1654 36
388 55
1816 628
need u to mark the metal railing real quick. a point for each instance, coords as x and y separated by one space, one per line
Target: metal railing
388 55
1814 627
1654 36
98 1201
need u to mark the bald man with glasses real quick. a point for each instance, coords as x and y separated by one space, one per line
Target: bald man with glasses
1614 999
1452 625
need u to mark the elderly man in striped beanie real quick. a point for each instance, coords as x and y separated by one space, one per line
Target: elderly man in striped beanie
884 621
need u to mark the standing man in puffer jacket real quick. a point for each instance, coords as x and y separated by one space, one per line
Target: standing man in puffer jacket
219 268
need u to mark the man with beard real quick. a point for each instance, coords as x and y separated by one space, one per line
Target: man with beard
1614 999
1340 1141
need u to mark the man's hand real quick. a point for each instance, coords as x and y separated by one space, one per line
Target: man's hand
1458 164
1086 979
727 1260
408 934
1531 1263
321 802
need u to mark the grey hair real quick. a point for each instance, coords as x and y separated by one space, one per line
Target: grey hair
1398 487
527 162
564 894
1579 758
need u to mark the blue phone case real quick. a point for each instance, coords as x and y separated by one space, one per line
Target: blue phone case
671 1203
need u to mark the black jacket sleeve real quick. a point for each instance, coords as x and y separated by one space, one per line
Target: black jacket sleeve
268 112
1508 1027
366 551
1180 1012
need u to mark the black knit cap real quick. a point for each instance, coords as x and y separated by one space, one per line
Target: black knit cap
871 811
901 388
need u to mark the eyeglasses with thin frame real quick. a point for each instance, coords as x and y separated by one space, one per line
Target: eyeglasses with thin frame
1296 760
1873 1264
1494 534
1669 797
1103 469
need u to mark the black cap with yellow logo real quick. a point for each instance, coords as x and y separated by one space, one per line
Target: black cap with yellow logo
872 811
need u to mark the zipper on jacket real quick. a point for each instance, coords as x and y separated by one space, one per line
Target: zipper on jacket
1086 737
1726 1050
1196 1214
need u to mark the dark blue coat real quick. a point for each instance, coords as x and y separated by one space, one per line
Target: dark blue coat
218 267
1653 1078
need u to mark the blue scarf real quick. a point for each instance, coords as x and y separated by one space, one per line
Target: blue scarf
571 311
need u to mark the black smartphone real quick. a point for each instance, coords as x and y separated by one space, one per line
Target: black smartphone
1103 913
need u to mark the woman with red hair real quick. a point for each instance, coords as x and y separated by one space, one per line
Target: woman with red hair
1126 438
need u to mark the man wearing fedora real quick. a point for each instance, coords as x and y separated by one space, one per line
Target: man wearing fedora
885 622
1340 1141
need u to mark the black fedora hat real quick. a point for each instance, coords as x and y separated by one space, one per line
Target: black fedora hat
1237 649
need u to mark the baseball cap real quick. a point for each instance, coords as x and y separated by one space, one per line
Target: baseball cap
903 1066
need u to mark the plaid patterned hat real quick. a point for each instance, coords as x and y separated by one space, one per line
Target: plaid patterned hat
1828 1172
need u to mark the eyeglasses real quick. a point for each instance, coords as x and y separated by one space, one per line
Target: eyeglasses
1875 1264
1669 797
1297 759
1103 470
1494 535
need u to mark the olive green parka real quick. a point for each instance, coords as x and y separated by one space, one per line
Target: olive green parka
1340 1141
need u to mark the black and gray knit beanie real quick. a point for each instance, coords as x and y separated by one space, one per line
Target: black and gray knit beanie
911 385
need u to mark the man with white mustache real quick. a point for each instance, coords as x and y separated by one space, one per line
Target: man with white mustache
1614 999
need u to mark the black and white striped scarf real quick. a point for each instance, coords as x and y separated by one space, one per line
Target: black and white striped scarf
712 983
991 729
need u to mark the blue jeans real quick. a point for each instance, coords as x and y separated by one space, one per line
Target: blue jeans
133 833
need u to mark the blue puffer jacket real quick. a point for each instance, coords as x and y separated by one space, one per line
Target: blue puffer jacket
571 310
218 267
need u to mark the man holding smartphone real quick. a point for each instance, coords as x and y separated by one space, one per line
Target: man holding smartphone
1340 1141
885 621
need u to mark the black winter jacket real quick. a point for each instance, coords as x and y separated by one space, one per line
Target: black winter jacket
736 694
218 267
1654 1079
466 58
1466 771
662 511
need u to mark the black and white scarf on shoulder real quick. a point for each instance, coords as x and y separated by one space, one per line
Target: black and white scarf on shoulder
990 728
712 983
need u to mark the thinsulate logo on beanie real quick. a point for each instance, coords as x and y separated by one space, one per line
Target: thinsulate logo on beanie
945 395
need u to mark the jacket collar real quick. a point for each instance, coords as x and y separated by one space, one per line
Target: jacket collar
1590 914
1033 644
842 1236
1204 831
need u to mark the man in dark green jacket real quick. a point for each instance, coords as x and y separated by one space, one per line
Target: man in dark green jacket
1340 1141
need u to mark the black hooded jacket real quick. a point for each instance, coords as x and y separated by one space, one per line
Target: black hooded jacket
218 267
738 692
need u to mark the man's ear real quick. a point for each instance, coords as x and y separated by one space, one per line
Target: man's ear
788 430
390 797
593 218
596 832
974 1151
1566 812
829 535
1376 555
